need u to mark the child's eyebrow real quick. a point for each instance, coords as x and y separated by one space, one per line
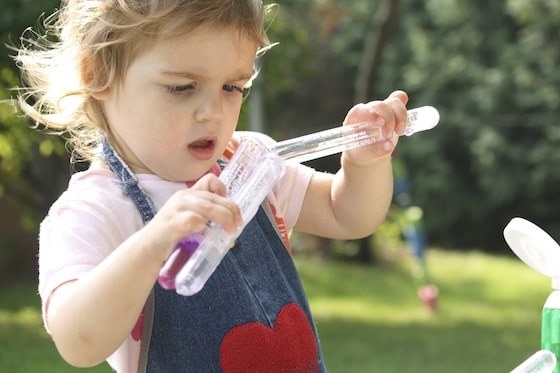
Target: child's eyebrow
182 74
201 77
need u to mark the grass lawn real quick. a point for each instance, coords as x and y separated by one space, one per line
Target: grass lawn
369 317
25 346
371 320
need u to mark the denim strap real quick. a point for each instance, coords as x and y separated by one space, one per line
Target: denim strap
129 185
128 182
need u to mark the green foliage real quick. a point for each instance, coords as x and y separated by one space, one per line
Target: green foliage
19 145
287 69
16 140
12 141
492 71
491 68
29 165
16 16
30 162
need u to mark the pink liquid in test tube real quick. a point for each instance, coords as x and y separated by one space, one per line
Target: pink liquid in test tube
182 252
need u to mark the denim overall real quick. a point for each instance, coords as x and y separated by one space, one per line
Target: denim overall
251 316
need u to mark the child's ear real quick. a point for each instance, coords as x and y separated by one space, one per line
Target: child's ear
100 95
86 71
87 77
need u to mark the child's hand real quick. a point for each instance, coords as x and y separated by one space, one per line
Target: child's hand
188 211
389 114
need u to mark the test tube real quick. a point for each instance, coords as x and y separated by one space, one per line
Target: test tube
206 258
234 177
542 361
339 139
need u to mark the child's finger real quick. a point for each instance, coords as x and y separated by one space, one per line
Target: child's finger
210 183
384 111
213 207
400 114
400 95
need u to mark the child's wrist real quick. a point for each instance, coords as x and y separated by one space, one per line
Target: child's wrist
347 163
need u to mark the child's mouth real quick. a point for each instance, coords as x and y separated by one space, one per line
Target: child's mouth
202 149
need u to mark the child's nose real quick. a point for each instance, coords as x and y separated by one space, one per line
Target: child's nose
209 107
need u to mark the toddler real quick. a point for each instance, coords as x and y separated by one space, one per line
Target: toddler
149 93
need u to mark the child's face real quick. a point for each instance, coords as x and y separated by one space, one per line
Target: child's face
179 102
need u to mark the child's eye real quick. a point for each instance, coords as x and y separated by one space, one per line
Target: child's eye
233 88
177 89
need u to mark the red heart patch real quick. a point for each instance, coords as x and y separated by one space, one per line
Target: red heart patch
287 347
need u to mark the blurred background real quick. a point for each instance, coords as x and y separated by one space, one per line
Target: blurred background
492 69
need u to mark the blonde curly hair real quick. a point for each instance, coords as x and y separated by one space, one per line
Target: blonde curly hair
87 46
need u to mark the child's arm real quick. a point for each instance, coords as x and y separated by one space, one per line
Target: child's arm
89 318
353 202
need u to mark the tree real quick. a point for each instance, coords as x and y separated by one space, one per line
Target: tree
489 68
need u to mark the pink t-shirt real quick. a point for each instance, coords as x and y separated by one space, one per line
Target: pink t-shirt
93 217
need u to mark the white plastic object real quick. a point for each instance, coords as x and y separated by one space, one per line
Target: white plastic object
535 247
541 252
542 361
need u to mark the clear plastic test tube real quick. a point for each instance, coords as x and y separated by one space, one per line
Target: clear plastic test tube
206 258
235 177
339 139
542 361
